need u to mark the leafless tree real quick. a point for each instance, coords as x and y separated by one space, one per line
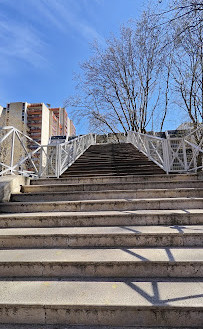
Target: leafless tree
191 11
188 69
120 88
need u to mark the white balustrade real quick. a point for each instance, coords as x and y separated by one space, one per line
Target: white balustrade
19 154
172 154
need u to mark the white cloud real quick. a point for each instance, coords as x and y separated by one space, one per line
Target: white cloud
20 32
20 42
65 15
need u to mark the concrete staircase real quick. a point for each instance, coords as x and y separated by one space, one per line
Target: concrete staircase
113 159
121 248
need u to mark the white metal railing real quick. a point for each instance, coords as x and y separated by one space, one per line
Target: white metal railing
55 159
20 154
172 154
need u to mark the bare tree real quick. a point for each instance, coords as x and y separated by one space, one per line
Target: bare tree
177 10
120 86
188 69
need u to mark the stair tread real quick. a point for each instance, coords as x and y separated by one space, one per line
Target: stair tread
108 200
108 230
186 189
118 255
129 293
123 178
74 214
127 203
61 326
111 184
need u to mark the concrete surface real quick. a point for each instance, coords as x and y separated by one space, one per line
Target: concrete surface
117 179
111 194
102 205
124 262
111 186
103 218
125 303
132 236
11 184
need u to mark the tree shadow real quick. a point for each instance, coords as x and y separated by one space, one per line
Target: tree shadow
135 254
129 229
144 259
169 254
155 298
180 228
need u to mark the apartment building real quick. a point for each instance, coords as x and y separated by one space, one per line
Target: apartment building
14 114
58 122
53 124
38 122
1 110
71 128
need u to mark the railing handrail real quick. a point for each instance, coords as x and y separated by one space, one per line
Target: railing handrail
142 134
171 138
67 142
20 132
170 156
38 158
174 154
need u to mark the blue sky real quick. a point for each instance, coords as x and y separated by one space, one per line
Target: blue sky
42 43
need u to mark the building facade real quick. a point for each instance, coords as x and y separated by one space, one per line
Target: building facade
38 120
71 128
1 110
59 121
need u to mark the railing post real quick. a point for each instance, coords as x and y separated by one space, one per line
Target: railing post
147 146
166 160
138 141
58 160
12 150
83 144
184 155
40 163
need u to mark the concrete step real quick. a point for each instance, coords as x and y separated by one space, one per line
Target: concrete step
124 262
112 236
111 171
102 205
109 161
103 218
131 302
98 172
111 186
112 166
61 326
117 179
111 194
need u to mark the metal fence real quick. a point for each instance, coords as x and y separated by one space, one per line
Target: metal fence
19 154
172 154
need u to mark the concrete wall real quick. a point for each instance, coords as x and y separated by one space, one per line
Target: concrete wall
12 116
11 184
2 117
15 116
111 138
